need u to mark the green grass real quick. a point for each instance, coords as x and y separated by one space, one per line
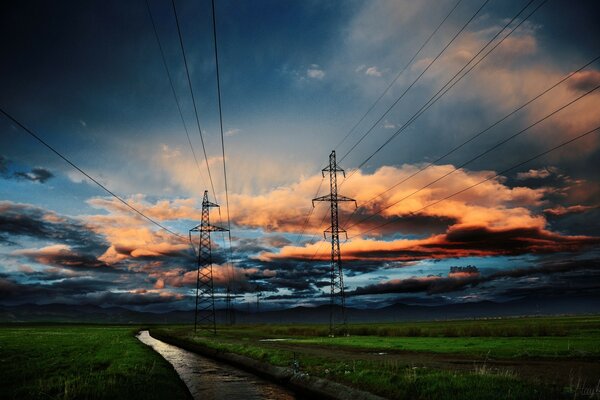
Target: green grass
505 327
394 380
544 337
91 362
499 347
346 360
82 362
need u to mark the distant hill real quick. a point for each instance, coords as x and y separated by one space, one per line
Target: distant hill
394 313
87 314
403 312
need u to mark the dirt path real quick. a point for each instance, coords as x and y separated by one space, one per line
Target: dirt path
557 371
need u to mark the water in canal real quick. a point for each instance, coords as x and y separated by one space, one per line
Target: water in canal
210 380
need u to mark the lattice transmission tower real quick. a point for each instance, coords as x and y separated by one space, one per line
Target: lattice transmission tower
337 313
204 315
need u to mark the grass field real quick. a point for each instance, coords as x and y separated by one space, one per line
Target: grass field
82 362
520 358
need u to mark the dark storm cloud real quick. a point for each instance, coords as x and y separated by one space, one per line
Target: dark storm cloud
434 284
170 257
38 174
562 211
514 241
458 241
465 241
298 277
139 298
34 222
35 175
14 292
295 295
294 284
413 224
574 219
359 267
583 283
78 291
63 258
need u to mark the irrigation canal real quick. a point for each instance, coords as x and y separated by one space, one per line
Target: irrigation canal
207 379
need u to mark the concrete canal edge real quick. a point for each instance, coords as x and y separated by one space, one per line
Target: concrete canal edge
298 382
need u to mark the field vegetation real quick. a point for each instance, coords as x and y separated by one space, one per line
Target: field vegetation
82 362
478 359
520 358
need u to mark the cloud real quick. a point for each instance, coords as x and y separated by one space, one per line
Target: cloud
40 175
584 80
222 274
462 272
493 203
132 237
434 284
516 45
494 219
25 220
561 211
373 71
81 291
37 174
536 174
276 241
315 72
63 256
141 297
232 132
459 241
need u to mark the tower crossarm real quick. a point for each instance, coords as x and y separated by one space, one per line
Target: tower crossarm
208 228
333 231
337 198
331 169
206 203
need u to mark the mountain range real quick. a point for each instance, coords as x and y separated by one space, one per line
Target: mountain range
65 313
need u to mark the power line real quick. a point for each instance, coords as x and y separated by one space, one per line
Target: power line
305 225
377 102
413 83
215 41
416 80
316 233
434 99
187 72
220 113
399 74
479 133
39 139
485 180
497 145
164 60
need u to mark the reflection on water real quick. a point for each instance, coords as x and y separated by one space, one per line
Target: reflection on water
207 379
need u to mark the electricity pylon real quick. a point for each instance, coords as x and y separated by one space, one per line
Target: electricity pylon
205 295
337 274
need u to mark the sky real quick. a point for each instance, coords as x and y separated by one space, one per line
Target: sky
454 204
